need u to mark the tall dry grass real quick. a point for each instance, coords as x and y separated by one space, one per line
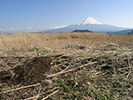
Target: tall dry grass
26 41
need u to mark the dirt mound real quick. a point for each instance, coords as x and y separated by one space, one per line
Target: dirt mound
30 72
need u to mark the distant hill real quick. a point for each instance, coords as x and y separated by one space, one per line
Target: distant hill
86 30
127 31
131 32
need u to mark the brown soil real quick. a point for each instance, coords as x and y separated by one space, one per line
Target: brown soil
32 71
107 74
110 78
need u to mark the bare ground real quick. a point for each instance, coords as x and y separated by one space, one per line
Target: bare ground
92 68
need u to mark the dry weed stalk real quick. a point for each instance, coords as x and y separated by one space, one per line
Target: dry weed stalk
23 87
69 70
51 94
39 94
130 68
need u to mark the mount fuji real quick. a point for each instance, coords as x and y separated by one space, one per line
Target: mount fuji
90 24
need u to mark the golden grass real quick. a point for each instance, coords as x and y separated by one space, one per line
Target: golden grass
26 41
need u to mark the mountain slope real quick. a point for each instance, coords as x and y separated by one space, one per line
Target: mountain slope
92 27
90 24
127 31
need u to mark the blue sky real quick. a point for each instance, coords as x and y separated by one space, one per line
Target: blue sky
46 13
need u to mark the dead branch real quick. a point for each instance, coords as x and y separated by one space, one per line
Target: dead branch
37 96
130 68
51 94
66 71
24 87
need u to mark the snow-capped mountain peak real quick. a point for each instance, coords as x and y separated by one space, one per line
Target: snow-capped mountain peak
90 20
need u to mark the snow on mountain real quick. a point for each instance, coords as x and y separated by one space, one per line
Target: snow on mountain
90 20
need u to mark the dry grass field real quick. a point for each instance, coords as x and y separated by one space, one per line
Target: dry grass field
60 42
66 66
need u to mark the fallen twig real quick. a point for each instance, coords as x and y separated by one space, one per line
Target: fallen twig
66 71
51 94
24 87
37 96
130 68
